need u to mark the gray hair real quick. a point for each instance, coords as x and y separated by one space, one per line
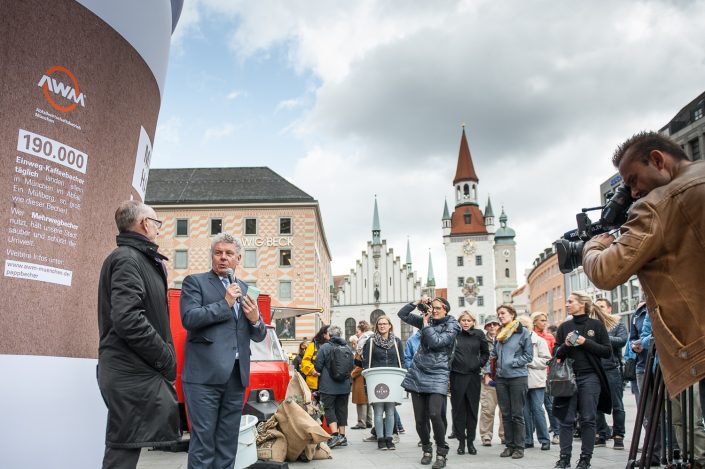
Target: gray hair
335 331
226 238
128 213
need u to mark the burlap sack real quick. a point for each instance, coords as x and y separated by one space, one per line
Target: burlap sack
300 429
298 389
274 448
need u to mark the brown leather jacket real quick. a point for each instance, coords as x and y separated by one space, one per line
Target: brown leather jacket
663 242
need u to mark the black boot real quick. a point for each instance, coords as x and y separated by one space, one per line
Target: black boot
441 455
427 454
461 446
471 448
382 444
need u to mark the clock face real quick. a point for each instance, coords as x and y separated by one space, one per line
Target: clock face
469 247
506 253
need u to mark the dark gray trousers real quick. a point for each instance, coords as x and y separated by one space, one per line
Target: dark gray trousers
585 401
121 458
511 397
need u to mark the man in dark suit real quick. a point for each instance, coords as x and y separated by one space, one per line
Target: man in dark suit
220 319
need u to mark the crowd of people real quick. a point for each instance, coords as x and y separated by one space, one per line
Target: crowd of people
502 363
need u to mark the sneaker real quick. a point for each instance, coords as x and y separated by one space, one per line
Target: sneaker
358 427
518 453
618 442
343 441
600 441
381 444
452 436
583 463
563 463
401 430
545 446
528 445
556 439
370 439
426 459
486 443
390 444
506 453
395 438
333 441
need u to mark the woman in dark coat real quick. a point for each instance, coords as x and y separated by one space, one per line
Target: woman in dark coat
136 360
470 355
428 377
585 340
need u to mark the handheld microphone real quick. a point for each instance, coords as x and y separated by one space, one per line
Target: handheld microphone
231 277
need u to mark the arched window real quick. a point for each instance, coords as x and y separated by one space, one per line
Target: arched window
506 273
350 325
466 190
374 316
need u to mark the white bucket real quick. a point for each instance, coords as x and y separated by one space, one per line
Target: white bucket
384 384
246 442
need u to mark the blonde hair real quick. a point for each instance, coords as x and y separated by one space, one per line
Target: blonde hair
593 311
384 316
468 314
526 322
535 316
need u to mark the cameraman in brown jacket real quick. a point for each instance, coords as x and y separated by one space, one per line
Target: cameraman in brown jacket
663 242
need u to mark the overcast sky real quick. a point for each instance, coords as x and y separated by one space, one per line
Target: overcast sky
352 99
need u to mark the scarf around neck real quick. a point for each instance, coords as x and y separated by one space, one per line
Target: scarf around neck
384 343
507 331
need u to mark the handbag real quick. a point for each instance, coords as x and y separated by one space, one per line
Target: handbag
629 373
561 378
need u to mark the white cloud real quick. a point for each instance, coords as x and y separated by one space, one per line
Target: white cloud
219 132
235 94
169 131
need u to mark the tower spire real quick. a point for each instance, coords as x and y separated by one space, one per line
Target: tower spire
465 170
376 239
431 281
408 254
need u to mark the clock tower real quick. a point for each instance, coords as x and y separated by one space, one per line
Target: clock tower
505 261
469 244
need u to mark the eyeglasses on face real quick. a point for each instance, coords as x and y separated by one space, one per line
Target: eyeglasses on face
157 223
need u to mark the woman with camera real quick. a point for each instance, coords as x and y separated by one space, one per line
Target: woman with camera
382 350
470 355
512 354
428 377
583 339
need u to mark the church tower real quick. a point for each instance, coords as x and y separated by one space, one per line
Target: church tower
470 257
505 261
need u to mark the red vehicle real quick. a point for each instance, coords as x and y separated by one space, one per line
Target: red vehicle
269 365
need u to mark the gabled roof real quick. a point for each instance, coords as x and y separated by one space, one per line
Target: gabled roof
465 170
477 221
221 186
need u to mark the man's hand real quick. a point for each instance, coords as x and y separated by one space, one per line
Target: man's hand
605 239
249 307
232 293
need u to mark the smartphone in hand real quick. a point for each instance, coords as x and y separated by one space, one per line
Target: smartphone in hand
253 292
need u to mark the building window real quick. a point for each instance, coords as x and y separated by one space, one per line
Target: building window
480 301
181 227
467 218
695 149
479 280
461 261
698 114
178 283
375 316
506 273
285 258
250 226
250 260
478 260
181 259
461 301
285 226
461 281
285 289
216 226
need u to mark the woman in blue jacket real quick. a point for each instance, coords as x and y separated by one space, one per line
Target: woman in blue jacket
512 354
428 377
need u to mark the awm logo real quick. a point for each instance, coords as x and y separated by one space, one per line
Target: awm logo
71 92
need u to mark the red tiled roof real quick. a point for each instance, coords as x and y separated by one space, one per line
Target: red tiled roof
477 221
465 170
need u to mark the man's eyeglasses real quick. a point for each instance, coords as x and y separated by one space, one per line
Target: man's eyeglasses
157 223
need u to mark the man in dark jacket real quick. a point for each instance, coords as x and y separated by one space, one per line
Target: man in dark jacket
613 369
221 319
136 360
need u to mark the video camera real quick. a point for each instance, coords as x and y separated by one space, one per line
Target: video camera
614 213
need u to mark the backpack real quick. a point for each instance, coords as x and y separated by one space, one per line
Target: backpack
341 362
